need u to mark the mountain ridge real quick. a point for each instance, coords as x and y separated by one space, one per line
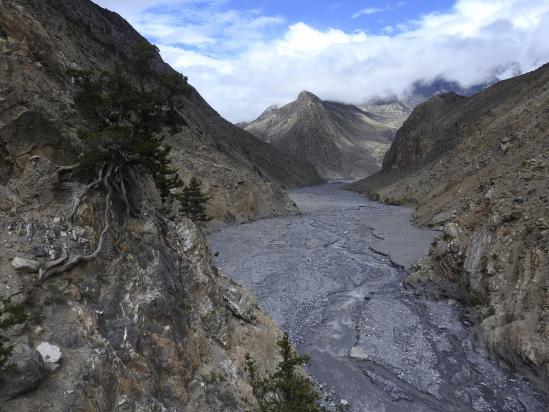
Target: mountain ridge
477 168
342 141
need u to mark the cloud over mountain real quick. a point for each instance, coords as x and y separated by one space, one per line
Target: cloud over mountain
243 61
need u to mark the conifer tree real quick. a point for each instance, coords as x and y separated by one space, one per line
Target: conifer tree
127 110
194 201
286 389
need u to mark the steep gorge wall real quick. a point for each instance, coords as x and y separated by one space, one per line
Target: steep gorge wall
150 324
41 40
478 168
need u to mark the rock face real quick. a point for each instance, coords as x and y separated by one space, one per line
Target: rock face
150 324
41 41
29 372
342 141
477 167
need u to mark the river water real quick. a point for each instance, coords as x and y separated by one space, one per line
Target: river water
331 277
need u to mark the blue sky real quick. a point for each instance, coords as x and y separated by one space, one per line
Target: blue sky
245 55
376 14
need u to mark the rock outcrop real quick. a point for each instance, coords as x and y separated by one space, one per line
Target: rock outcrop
342 141
42 41
148 323
478 168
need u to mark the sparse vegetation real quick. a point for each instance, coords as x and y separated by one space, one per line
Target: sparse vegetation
286 389
10 315
193 201
126 110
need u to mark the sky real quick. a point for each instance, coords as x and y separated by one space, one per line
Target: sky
246 55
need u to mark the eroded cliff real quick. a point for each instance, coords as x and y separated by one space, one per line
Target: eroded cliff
477 167
43 41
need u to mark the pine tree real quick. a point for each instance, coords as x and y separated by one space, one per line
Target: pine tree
127 111
125 117
286 389
194 201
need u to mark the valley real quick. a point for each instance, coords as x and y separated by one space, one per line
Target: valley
149 245
326 277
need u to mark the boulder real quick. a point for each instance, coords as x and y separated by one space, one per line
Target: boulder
25 265
25 373
358 353
51 355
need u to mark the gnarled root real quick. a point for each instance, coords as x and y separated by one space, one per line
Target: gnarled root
68 168
78 199
65 263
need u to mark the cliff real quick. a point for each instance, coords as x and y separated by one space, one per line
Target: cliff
477 167
135 316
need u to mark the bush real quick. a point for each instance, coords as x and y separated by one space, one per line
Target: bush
9 316
286 389
193 201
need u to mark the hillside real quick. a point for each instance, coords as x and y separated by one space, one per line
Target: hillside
342 141
244 176
478 168
109 301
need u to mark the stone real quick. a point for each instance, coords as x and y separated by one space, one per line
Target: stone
25 265
358 353
28 372
51 355
39 251
241 304
452 229
441 218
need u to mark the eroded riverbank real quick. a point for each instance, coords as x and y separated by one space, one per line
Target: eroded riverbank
325 278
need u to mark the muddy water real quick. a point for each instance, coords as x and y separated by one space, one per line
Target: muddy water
331 277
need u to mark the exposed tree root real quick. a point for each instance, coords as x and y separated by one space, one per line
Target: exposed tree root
113 181
78 199
127 207
68 168
65 263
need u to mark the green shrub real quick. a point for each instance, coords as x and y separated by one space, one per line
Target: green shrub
10 315
193 201
286 389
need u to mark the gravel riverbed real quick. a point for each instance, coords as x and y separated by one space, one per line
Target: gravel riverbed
331 277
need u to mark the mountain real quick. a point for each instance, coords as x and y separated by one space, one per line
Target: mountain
478 168
342 141
108 301
244 176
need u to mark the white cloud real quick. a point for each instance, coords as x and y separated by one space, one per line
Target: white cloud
373 10
240 70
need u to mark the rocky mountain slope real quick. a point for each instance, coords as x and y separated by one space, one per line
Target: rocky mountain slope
138 318
478 168
244 176
342 141
150 324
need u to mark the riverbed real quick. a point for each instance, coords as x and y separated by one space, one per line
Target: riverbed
331 277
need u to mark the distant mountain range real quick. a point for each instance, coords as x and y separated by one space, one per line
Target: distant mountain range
343 141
